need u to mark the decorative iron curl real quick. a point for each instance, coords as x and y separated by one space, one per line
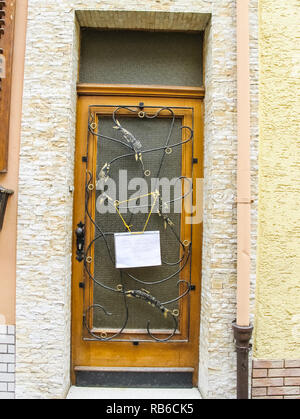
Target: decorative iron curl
135 146
150 299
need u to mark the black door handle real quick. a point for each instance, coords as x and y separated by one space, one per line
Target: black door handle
80 236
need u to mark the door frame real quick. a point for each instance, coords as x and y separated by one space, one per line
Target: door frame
84 353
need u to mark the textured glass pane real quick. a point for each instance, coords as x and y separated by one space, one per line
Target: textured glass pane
152 133
135 57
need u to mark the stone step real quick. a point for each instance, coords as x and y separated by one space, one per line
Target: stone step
132 393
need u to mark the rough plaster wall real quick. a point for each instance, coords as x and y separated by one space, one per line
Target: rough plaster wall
277 334
45 203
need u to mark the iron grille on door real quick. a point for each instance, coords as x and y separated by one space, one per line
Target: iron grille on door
147 144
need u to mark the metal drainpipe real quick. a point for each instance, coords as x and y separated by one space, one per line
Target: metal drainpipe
242 335
241 327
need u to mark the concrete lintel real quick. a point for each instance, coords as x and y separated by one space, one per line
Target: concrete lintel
144 20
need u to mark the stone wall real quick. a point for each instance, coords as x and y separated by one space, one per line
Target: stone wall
46 174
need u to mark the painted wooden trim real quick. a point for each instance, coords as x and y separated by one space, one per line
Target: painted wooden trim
89 89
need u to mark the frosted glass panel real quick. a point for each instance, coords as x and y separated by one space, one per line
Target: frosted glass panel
153 133
136 57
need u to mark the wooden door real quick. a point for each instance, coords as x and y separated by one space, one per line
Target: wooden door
143 318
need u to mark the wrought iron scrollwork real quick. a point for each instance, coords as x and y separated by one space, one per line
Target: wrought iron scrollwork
135 149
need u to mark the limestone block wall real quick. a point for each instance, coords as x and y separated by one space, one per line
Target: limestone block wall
46 174
217 375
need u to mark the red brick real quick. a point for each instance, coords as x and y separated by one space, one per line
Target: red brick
266 382
292 381
292 364
282 391
259 373
267 364
284 372
259 391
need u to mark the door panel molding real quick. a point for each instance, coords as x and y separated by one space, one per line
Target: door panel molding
90 89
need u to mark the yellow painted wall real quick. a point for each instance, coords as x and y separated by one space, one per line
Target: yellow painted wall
277 320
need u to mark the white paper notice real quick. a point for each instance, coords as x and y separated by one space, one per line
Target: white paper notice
137 250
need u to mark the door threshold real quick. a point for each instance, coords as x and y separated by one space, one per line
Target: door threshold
133 393
134 377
